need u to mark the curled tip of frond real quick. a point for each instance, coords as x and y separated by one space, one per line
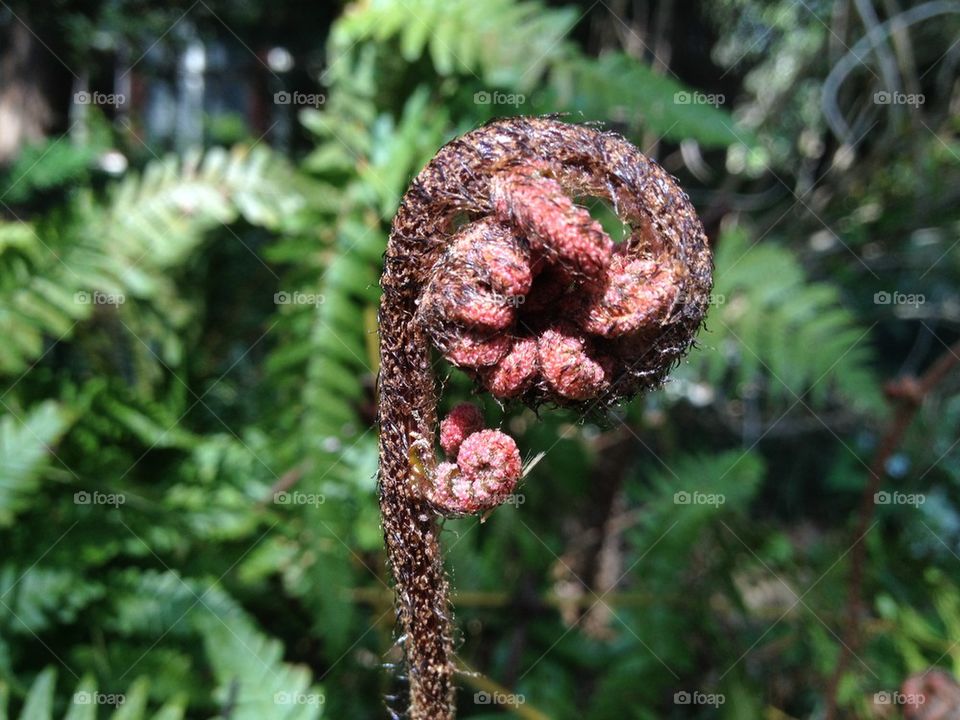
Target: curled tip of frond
465 419
486 471
530 295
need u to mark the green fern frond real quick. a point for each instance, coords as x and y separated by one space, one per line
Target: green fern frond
521 46
48 165
616 87
769 325
496 40
251 675
924 640
39 597
25 443
38 284
158 217
53 271
254 680
85 701
694 492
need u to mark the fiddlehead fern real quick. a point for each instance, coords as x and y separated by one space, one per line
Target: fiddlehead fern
491 261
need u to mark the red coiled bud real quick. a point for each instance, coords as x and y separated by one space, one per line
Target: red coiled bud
465 419
487 469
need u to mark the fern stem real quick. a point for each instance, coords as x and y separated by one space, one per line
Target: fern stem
608 325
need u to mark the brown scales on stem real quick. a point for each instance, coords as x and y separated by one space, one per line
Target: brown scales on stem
625 322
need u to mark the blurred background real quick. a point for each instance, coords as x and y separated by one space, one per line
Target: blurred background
194 202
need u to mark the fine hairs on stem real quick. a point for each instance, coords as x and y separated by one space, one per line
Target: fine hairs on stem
491 261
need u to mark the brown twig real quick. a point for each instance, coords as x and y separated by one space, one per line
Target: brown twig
906 395
494 691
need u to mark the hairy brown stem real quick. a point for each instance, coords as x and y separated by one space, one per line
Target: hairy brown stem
495 206
907 395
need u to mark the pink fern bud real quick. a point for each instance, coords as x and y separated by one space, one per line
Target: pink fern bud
490 467
474 351
500 260
514 375
477 281
456 295
487 470
474 307
465 419
568 365
551 222
635 294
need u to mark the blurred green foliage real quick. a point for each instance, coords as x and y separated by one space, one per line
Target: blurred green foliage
187 448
